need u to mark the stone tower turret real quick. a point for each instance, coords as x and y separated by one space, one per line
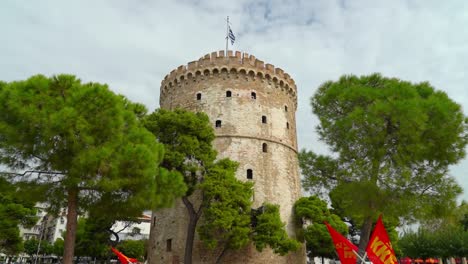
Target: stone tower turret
252 108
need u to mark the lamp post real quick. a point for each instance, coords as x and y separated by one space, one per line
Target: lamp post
41 231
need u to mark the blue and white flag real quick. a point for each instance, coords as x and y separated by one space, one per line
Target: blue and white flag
231 36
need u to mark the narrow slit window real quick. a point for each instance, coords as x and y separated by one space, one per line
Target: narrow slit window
169 245
249 174
198 96
253 95
218 123
287 125
264 119
264 147
228 94
154 220
285 108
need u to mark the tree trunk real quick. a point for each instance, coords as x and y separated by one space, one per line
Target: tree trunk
72 219
218 261
193 219
365 234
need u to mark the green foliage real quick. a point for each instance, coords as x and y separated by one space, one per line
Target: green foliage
85 141
92 237
270 231
393 141
227 203
318 240
83 131
58 247
420 244
46 248
187 139
461 215
133 248
443 237
227 213
30 246
14 211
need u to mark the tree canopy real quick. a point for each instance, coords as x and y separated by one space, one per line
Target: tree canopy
315 212
227 208
270 231
225 201
81 141
187 138
133 248
392 143
14 211
442 237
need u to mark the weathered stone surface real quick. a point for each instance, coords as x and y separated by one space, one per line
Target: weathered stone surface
257 90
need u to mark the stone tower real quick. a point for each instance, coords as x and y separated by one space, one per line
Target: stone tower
252 108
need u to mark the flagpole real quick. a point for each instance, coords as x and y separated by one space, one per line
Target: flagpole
227 34
363 259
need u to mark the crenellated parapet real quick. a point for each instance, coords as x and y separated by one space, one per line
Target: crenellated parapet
238 64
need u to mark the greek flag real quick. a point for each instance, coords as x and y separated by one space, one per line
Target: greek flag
231 36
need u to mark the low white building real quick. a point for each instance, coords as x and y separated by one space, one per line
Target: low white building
133 230
50 228
56 226
36 232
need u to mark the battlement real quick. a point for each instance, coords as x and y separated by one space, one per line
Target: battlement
231 63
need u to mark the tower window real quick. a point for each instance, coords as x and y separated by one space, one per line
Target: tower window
249 174
228 94
264 119
264 147
285 108
198 96
169 245
287 125
218 123
253 95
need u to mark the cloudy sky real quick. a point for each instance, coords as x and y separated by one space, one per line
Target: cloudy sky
132 45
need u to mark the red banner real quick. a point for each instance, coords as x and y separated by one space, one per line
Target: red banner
343 246
122 258
380 250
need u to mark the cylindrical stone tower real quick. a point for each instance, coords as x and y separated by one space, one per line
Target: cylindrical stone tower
252 108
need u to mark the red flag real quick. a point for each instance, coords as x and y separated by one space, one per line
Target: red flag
122 258
343 246
380 250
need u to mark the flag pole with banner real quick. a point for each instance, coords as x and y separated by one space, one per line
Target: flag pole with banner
229 35
347 251
380 250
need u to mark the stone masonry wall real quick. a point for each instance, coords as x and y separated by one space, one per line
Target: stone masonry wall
255 105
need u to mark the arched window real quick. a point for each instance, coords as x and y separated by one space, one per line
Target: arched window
228 94
285 108
264 147
287 125
264 119
218 123
253 95
198 96
249 174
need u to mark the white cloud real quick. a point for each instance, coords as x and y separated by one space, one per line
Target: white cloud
131 45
